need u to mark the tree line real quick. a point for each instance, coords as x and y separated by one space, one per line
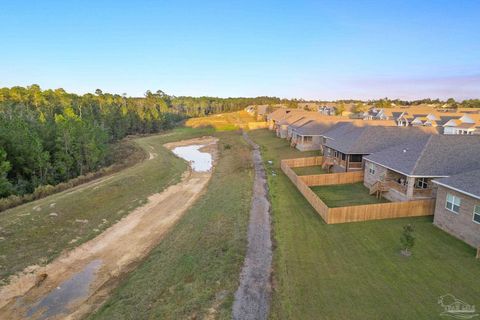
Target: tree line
50 136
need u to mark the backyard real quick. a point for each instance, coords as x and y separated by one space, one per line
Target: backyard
355 270
343 195
305 171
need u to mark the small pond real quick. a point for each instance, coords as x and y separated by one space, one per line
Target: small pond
199 161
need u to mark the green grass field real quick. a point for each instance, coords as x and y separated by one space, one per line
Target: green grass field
310 170
37 232
343 195
194 271
355 270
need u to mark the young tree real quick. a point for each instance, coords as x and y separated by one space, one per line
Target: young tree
359 107
339 108
407 239
452 103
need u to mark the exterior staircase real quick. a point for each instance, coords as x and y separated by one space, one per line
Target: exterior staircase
378 188
328 163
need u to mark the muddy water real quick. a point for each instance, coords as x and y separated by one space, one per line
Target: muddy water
199 161
56 302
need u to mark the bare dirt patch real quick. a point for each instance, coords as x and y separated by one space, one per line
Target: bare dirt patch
114 252
252 299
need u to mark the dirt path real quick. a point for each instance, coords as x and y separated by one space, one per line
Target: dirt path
252 299
78 282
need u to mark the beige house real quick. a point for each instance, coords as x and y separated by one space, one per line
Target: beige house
281 127
277 115
309 136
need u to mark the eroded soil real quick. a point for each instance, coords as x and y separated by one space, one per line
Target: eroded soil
114 253
252 299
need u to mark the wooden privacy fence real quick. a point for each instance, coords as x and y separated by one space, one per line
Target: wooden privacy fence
312 198
332 178
377 211
351 213
303 162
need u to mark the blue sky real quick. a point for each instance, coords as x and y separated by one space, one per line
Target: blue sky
304 49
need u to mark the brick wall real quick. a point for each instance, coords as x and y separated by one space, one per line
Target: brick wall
459 225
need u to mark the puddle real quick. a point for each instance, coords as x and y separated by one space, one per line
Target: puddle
200 161
57 301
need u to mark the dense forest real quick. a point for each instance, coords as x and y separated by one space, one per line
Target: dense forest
51 136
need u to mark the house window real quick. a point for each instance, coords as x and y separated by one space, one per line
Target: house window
421 183
453 203
307 139
476 214
371 168
344 157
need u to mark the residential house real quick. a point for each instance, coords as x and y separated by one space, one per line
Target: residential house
282 125
466 124
259 111
449 122
347 143
309 136
327 110
262 111
309 117
457 209
276 116
300 122
375 114
405 171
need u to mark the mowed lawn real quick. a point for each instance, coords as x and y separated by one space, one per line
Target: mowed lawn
354 270
310 170
343 195
194 271
37 232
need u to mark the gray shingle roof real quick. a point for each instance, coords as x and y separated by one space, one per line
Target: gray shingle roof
356 138
314 127
280 113
291 118
432 156
467 182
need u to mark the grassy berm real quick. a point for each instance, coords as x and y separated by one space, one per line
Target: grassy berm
37 232
193 273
